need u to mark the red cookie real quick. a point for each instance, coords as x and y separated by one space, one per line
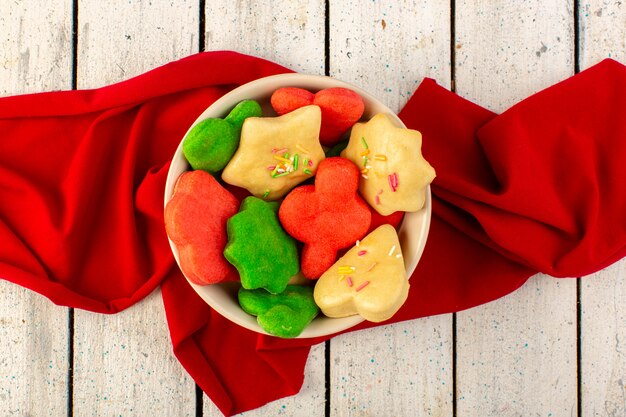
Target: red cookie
341 108
195 220
327 216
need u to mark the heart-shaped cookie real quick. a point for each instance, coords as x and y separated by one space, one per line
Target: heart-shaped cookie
341 108
369 280
283 315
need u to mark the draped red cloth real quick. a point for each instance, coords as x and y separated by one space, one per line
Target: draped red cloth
539 188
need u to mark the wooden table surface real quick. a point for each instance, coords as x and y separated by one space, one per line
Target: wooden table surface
553 348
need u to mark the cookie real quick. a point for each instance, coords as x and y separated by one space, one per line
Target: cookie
195 221
394 172
210 144
341 108
283 315
369 280
276 153
265 256
327 216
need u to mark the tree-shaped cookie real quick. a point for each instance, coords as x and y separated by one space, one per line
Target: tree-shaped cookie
370 279
327 216
265 256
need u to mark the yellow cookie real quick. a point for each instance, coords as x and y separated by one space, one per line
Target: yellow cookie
370 279
276 153
394 174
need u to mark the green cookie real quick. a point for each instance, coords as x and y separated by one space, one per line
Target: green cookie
337 149
263 253
283 315
211 143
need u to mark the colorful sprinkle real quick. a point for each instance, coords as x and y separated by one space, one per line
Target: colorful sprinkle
379 157
393 248
344 270
279 151
271 167
377 200
371 267
365 152
265 194
364 143
302 149
399 255
307 171
358 243
362 252
295 162
364 176
282 159
393 181
349 281
360 287
365 161
309 163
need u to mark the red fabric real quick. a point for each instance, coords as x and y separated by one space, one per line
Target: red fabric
538 188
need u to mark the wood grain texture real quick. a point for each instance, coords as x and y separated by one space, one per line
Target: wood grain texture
403 369
603 295
506 50
291 34
603 342
124 363
387 48
35 45
120 39
602 31
517 355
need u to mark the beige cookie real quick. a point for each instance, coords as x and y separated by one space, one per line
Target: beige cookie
394 174
276 153
370 279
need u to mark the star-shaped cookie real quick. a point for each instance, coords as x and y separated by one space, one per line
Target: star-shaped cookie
276 153
394 174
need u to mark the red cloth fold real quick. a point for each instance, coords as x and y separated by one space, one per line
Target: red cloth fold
537 188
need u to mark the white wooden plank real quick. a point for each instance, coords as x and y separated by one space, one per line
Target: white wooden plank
406 368
603 342
35 45
603 295
124 363
291 34
516 356
403 369
602 27
506 51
